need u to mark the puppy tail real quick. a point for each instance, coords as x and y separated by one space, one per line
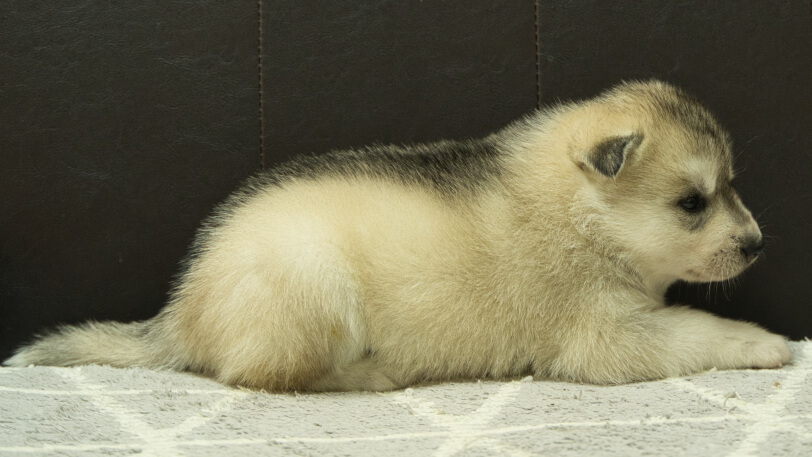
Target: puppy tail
104 343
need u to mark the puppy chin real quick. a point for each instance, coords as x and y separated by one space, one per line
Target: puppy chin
722 272
692 275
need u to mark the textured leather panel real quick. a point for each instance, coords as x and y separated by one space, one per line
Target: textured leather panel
751 62
345 74
121 124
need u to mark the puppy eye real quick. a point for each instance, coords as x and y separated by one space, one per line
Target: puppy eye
692 203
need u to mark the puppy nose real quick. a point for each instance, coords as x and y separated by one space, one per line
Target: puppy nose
752 248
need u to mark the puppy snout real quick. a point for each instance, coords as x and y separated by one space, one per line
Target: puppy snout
752 248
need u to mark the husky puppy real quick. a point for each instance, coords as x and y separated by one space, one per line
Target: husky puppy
544 248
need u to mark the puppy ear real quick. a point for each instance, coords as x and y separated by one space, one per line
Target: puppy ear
608 156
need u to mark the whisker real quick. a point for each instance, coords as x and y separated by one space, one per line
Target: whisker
769 207
728 287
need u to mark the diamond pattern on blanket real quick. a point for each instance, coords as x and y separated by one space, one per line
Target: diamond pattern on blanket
102 411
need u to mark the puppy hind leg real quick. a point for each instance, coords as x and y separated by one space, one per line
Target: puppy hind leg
280 324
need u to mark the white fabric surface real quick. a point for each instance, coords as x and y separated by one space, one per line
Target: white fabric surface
102 411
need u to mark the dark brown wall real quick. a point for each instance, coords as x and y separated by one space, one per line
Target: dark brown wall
338 75
122 124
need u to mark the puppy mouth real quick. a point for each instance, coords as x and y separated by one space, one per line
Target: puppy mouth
718 271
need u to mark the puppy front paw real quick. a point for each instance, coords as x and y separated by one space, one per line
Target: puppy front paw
770 351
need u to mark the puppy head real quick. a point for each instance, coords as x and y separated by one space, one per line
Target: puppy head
657 172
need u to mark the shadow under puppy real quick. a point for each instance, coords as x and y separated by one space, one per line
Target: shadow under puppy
545 247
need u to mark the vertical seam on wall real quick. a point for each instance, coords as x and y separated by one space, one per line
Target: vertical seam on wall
536 8
261 95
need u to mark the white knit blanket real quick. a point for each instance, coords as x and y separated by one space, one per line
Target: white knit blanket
105 411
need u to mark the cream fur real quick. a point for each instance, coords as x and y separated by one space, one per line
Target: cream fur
359 281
